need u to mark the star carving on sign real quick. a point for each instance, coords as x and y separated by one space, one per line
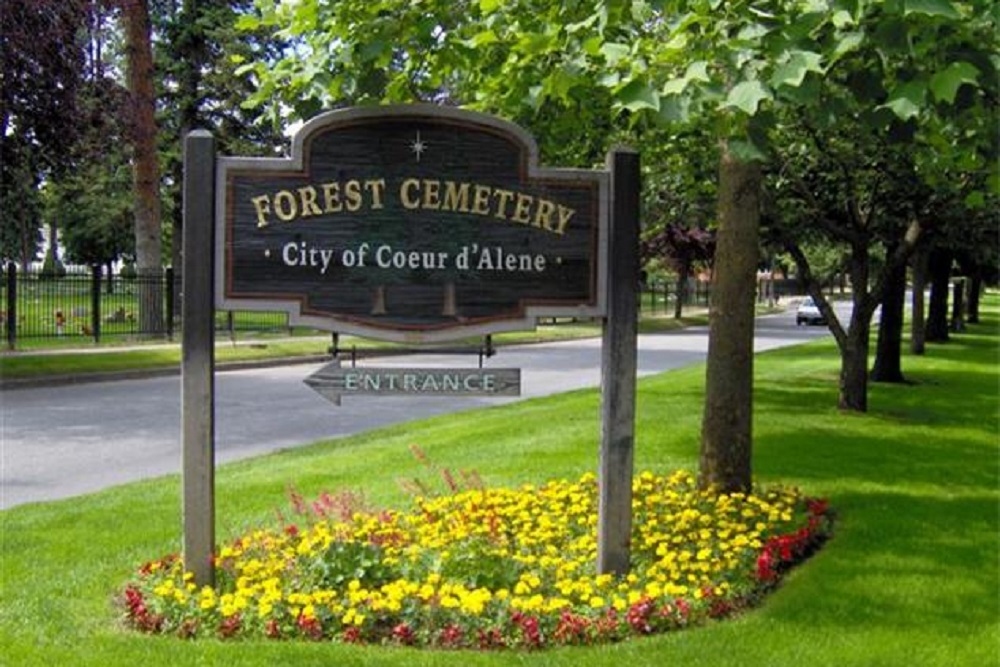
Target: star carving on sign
418 146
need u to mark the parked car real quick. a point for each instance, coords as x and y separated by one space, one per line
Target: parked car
809 313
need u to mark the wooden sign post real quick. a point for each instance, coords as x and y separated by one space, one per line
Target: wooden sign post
618 369
198 358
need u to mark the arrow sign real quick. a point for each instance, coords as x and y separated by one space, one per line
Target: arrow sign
332 381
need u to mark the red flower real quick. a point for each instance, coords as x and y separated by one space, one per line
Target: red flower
230 625
139 614
572 628
638 616
310 627
531 635
490 639
765 565
450 636
352 635
403 634
818 506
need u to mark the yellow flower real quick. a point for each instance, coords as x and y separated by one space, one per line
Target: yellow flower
207 599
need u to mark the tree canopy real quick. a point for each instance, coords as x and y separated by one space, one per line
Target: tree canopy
41 69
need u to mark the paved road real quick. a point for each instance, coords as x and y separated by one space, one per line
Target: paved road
59 442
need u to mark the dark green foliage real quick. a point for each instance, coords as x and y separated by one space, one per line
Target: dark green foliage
41 70
344 561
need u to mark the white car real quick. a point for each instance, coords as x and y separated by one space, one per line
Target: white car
809 313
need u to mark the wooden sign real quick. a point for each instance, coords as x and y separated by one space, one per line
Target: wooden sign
413 224
332 381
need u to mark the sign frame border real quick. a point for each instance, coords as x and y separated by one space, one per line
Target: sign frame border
296 162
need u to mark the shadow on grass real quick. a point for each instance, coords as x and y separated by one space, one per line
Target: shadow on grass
800 433
915 482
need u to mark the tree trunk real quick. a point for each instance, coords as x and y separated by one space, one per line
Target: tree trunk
145 167
917 319
939 267
958 306
726 436
854 342
975 291
52 262
683 272
854 369
888 348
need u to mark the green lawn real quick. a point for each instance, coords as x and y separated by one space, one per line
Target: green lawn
911 577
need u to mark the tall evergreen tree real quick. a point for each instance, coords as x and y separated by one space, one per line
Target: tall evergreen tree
41 64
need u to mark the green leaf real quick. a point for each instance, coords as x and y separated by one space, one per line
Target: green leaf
614 53
636 96
975 200
534 44
931 8
535 96
372 49
945 84
610 79
483 38
993 183
489 6
675 109
675 86
842 19
808 94
752 32
794 70
558 84
697 71
747 96
746 151
586 24
248 22
906 100
592 46
848 42
678 42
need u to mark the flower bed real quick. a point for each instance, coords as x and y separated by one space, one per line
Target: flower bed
491 568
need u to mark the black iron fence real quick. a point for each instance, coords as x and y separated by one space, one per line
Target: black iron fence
92 305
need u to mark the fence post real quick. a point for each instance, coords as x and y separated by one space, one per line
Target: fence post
95 302
11 305
169 278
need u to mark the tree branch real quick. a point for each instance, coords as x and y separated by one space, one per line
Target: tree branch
814 289
900 255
